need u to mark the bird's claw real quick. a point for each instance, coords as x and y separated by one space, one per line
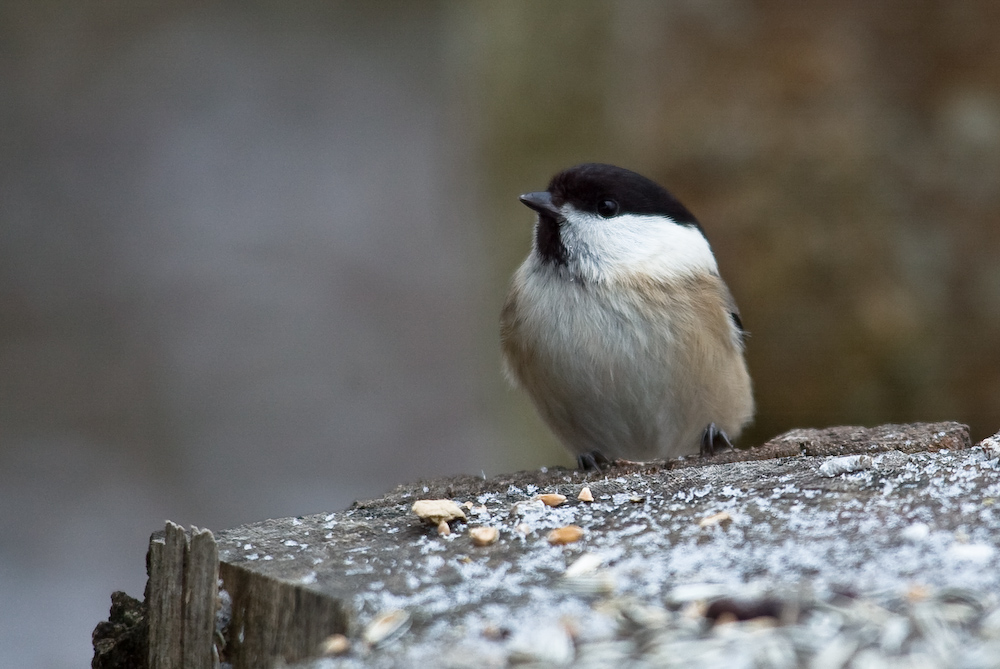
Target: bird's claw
592 460
714 441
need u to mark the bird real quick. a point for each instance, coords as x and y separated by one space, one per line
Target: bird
618 325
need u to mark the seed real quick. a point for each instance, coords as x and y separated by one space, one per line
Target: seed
483 536
552 499
386 627
565 535
721 519
335 644
437 510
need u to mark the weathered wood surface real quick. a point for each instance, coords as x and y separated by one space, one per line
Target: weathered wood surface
201 577
181 596
290 584
166 598
276 620
847 440
296 581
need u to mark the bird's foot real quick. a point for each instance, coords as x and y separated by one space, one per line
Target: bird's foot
592 461
714 441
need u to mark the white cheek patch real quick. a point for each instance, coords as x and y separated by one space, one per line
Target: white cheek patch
628 244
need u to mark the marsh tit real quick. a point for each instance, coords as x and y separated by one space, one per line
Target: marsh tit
618 325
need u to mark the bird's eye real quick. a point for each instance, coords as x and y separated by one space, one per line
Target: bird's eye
607 208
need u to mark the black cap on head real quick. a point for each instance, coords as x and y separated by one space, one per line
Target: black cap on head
590 186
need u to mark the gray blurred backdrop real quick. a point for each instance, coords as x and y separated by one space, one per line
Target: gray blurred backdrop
252 256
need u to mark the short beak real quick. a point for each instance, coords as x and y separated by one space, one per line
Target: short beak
542 203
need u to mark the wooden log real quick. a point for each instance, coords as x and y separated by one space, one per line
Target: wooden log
845 440
182 599
293 583
296 581
201 577
276 621
166 598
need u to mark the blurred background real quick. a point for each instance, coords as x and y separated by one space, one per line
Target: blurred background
252 256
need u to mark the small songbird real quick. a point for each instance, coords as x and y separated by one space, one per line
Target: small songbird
618 326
